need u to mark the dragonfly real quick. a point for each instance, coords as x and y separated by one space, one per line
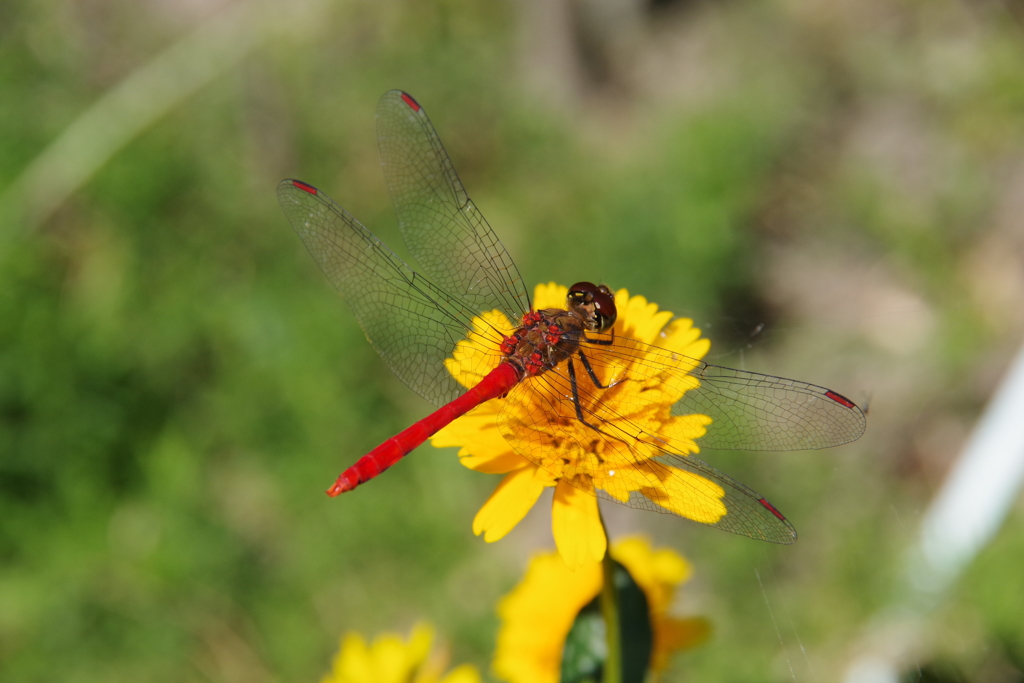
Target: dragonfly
556 370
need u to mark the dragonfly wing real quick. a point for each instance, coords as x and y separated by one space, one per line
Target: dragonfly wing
614 458
413 324
625 425
748 410
446 233
747 513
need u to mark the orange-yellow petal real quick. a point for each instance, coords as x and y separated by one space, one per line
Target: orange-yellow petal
576 525
508 504
672 635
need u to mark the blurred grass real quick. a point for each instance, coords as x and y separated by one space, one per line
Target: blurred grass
178 383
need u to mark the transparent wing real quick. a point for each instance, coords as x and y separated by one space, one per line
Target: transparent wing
622 462
631 436
757 412
748 410
451 241
413 324
748 513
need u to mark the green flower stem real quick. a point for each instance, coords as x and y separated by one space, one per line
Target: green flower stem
610 612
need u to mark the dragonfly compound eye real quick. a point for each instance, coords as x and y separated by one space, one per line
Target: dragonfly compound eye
596 300
605 313
580 294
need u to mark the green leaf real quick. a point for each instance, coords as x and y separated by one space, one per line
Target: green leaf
585 650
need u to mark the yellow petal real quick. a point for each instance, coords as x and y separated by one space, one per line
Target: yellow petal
625 480
687 494
551 295
682 337
562 448
544 477
352 663
476 355
508 504
639 319
576 525
481 445
681 432
390 659
466 673
669 567
497 463
420 640
657 572
475 429
537 615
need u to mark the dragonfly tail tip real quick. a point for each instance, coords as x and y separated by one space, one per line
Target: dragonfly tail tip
343 484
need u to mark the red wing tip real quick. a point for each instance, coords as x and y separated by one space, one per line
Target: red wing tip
771 508
413 104
840 399
304 187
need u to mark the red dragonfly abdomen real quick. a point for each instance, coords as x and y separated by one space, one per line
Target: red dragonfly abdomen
497 383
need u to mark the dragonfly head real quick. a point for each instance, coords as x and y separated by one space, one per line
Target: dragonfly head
595 303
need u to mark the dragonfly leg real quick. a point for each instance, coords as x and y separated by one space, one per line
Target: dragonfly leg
601 342
576 394
590 371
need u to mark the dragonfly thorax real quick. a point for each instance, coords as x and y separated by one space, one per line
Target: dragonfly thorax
545 339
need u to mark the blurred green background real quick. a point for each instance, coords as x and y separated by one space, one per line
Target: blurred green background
833 191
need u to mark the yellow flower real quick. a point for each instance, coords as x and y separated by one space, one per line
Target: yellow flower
565 447
537 615
389 660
